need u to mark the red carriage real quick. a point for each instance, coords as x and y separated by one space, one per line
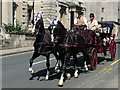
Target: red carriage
102 42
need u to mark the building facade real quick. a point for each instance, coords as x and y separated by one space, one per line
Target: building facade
21 12
0 14
104 11
52 9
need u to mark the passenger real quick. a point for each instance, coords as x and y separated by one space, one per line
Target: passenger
92 25
80 20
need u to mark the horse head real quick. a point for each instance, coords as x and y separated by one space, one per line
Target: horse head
38 27
57 30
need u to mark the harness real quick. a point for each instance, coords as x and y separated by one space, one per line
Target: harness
66 43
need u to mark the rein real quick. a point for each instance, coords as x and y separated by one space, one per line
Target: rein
66 43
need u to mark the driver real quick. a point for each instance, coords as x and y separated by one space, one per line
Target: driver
80 20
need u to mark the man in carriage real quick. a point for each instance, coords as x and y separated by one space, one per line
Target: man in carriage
80 21
92 26
92 23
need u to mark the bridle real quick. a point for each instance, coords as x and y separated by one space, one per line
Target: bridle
37 18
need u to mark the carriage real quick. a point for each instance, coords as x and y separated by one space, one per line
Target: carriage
70 43
103 42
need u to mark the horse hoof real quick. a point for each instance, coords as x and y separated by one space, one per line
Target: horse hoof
76 76
57 70
32 72
68 76
60 84
86 70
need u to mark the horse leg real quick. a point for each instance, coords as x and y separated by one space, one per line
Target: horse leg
76 71
57 66
48 66
63 72
35 55
85 61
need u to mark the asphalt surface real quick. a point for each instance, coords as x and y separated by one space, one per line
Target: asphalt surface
15 73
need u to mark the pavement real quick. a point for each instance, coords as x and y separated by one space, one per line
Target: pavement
25 49
15 51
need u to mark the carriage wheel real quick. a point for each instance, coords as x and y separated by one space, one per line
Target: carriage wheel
113 51
94 59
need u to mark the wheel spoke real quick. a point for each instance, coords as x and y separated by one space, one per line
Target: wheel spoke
94 60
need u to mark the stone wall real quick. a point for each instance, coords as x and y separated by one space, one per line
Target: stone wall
15 40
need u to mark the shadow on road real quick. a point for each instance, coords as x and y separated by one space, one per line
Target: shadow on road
40 75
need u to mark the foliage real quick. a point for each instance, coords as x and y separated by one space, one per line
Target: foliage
11 28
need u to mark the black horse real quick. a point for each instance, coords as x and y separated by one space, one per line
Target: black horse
42 46
69 44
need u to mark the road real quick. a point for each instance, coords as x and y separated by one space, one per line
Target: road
15 73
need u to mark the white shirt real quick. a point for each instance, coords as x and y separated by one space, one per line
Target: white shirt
92 25
95 22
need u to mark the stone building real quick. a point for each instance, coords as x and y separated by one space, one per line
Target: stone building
0 14
65 10
17 11
13 12
104 10
21 12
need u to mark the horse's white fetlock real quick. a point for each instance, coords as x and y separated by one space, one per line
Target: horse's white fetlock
31 70
47 77
76 74
86 68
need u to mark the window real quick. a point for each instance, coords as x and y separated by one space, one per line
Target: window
23 22
0 30
102 9
102 18
29 14
23 15
14 13
118 20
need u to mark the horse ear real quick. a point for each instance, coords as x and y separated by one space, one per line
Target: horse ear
40 14
49 21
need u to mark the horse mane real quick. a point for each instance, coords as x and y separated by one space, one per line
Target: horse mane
61 25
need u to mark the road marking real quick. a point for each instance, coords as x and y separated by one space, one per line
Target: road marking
115 62
109 69
42 61
103 69
100 74
15 54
